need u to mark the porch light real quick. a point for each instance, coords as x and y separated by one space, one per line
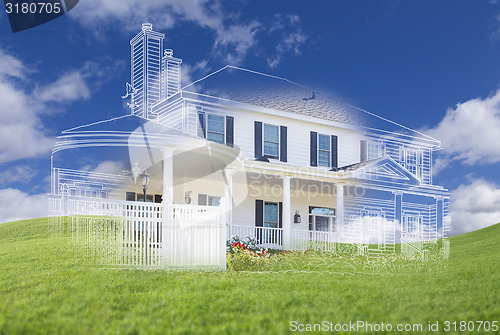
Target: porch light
296 217
145 181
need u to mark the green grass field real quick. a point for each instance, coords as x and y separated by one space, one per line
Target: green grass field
43 290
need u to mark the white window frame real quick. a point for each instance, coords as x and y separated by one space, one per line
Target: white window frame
329 151
417 219
214 132
372 146
416 165
209 199
264 140
277 214
331 219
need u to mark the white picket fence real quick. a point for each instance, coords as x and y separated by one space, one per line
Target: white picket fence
126 233
195 237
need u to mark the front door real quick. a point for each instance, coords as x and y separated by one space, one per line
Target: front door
271 221
322 223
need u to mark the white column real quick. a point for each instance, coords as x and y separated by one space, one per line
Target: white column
167 201
64 200
228 195
339 210
168 176
287 235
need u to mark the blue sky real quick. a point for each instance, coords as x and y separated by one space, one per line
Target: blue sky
430 65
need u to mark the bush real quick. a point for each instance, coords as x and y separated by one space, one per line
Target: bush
242 258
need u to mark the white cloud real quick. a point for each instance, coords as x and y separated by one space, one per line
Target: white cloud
11 66
288 31
17 205
234 38
190 73
474 206
22 134
110 167
470 132
20 173
235 41
70 87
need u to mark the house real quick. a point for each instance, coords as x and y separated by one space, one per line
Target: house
252 154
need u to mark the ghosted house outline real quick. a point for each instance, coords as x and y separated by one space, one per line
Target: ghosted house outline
291 164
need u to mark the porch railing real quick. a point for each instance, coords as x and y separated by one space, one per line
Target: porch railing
313 240
268 237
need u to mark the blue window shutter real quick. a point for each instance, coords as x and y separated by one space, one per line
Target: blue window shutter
283 155
334 154
230 131
314 148
258 139
259 213
364 149
280 215
202 130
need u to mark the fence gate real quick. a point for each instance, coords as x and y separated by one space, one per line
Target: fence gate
195 238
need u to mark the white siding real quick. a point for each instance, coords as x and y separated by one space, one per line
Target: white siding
182 115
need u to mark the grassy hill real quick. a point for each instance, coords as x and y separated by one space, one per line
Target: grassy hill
44 290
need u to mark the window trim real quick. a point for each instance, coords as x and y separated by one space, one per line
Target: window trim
224 133
264 141
329 151
417 164
380 146
331 219
277 214
208 199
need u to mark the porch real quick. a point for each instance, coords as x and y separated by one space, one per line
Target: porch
139 234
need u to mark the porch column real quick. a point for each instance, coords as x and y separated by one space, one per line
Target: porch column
287 235
167 201
228 195
339 209
439 213
168 177
64 199
398 203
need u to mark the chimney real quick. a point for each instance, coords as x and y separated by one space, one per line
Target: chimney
171 74
146 69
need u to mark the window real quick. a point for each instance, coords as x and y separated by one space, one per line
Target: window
215 128
374 150
323 150
208 200
412 226
411 161
213 201
321 219
271 141
271 215
140 197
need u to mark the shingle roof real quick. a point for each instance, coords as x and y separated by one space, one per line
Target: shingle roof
281 94
272 92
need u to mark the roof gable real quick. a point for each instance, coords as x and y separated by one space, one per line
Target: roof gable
384 169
